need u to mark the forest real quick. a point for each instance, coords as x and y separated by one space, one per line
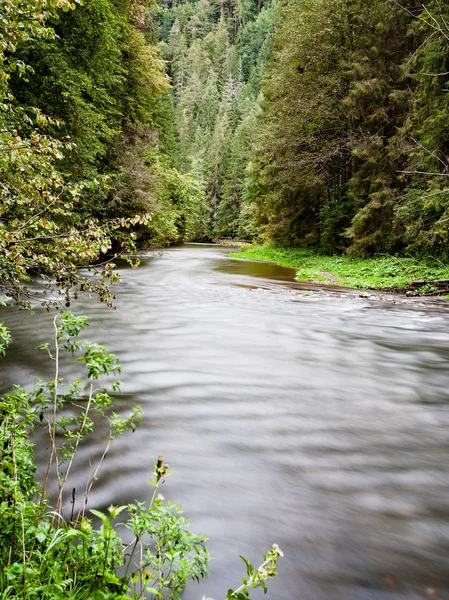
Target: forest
291 123
319 124
311 126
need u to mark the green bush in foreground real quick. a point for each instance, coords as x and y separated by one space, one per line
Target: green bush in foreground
47 554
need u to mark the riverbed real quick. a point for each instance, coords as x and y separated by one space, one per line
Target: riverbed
310 417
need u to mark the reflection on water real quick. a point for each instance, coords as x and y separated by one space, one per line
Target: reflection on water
317 420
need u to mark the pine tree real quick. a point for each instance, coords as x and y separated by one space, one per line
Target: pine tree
206 47
325 167
424 207
177 54
302 140
228 221
377 106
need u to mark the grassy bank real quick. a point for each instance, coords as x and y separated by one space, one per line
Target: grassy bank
365 273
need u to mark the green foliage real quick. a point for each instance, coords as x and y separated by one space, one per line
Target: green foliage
257 578
79 85
424 215
48 554
50 174
351 152
23 21
423 208
217 54
148 183
328 111
40 230
377 106
5 339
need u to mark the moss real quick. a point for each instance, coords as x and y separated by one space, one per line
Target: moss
385 272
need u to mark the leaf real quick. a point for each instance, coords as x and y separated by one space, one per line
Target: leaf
41 536
154 591
105 519
249 566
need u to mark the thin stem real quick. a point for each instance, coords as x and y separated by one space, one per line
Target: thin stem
52 425
16 484
437 25
430 151
33 218
75 448
142 587
133 551
438 260
445 191
436 74
108 542
424 173
252 578
139 534
92 479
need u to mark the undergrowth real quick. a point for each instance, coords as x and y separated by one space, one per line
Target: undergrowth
57 549
382 272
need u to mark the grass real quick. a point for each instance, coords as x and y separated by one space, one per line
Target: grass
384 272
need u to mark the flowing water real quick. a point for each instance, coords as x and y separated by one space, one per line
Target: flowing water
309 417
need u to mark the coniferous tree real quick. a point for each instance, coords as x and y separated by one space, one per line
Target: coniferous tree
302 139
353 122
423 211
216 52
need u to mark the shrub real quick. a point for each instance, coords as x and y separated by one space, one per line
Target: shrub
47 554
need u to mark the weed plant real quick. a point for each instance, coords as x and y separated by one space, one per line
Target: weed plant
48 555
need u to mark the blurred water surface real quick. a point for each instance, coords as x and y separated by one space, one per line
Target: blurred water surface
304 416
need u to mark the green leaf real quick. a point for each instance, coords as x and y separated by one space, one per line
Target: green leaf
104 518
249 566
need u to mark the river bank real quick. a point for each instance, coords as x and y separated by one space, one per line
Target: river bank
402 274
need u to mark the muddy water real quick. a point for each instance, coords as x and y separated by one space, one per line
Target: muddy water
315 419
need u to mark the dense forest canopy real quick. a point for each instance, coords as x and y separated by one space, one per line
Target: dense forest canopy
314 123
217 55
352 151
293 122
84 158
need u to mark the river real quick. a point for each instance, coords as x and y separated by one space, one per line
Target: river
306 416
